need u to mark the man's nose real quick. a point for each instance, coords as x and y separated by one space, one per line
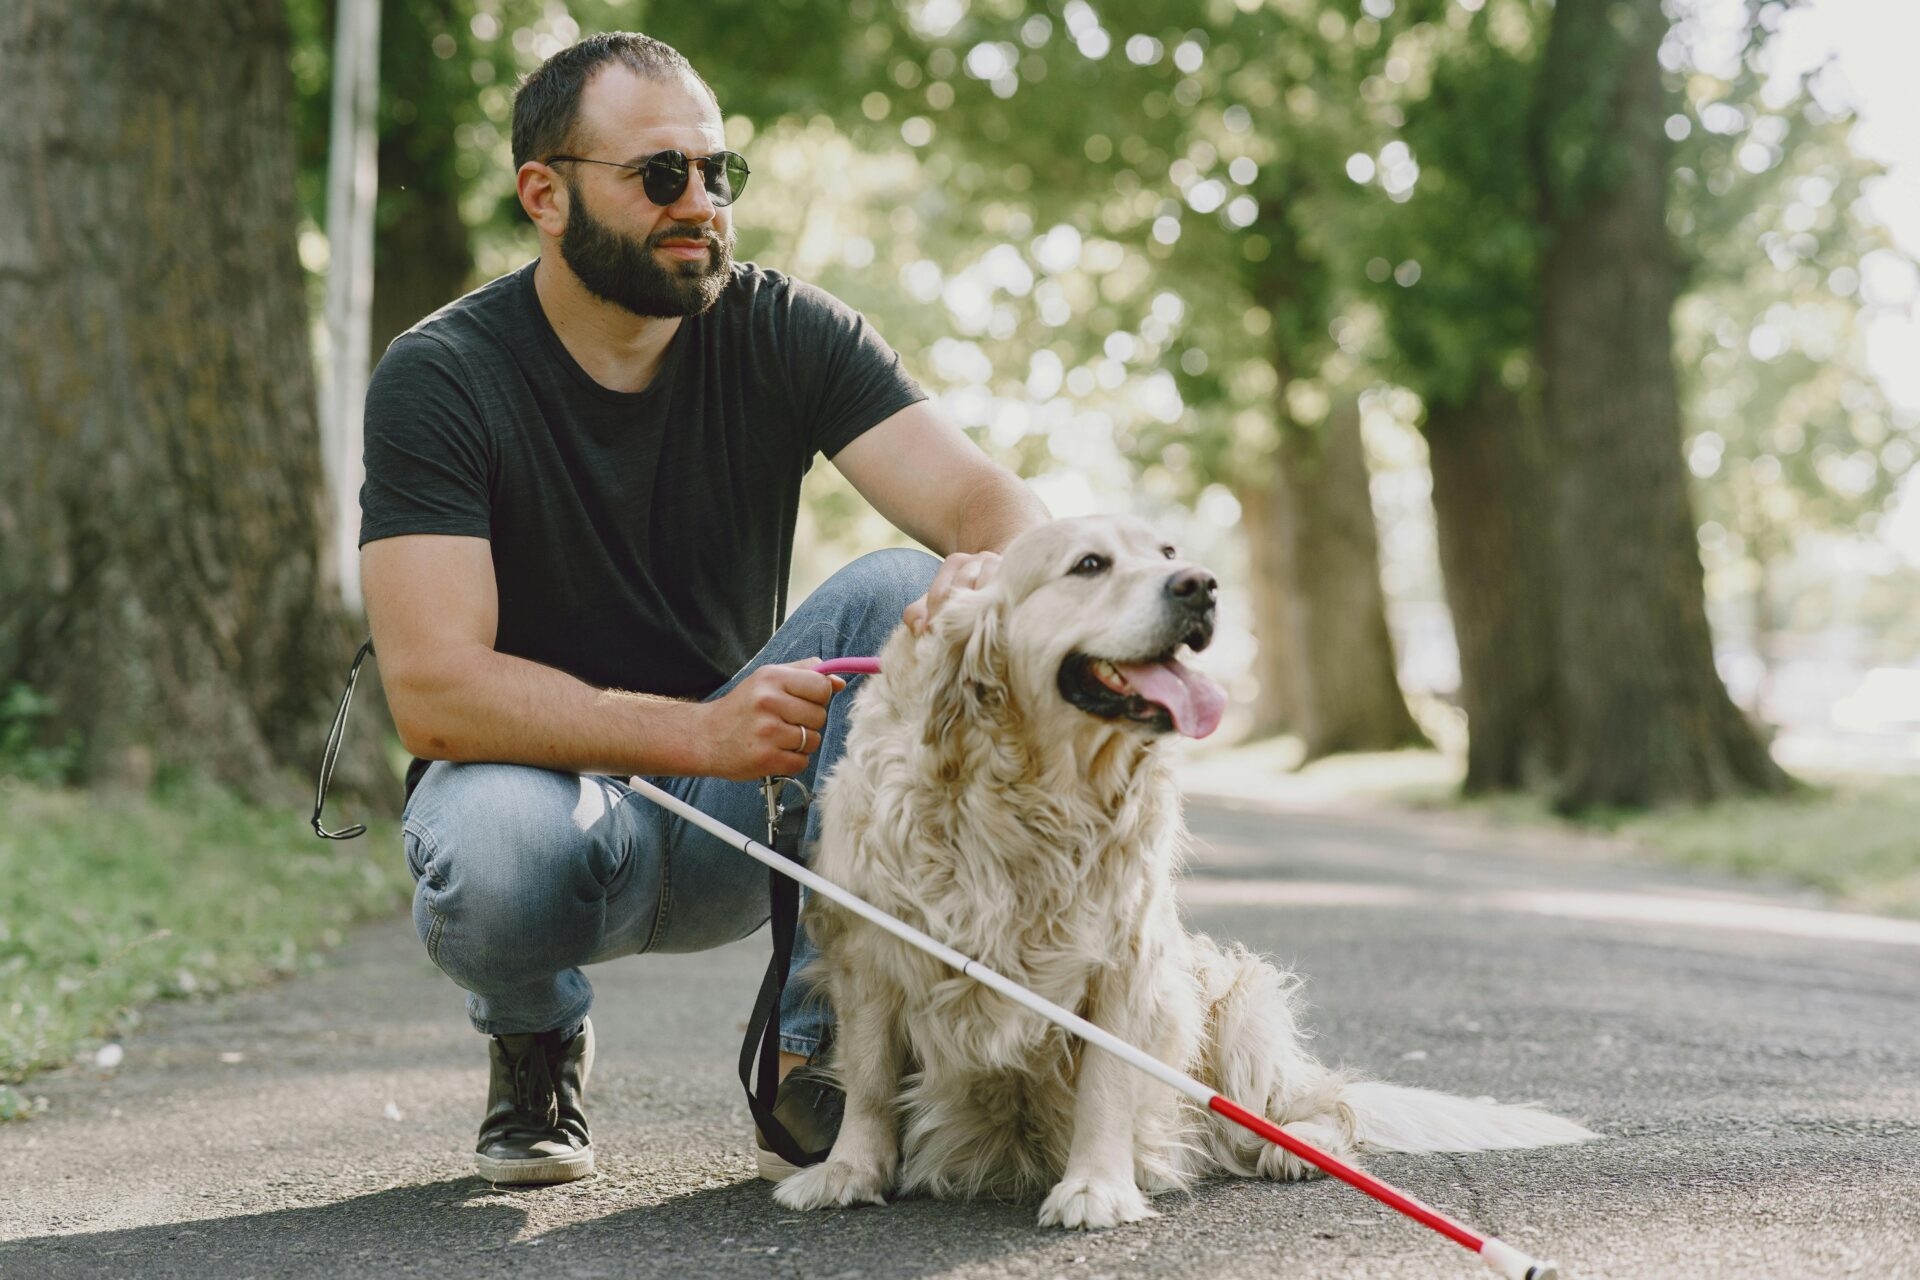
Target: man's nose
694 204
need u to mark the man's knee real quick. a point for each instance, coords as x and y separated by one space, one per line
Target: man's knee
894 577
507 857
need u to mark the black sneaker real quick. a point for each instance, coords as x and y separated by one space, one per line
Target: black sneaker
810 1106
535 1131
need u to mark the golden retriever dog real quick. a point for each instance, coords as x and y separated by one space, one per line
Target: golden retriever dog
1005 790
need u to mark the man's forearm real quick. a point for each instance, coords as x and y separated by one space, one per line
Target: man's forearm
483 705
997 508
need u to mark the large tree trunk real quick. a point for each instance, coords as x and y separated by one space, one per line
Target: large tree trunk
1333 663
161 506
1647 718
1493 511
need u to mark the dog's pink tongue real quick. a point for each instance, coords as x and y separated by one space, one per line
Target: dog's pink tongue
1192 699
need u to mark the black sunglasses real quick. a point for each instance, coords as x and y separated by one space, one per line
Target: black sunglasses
664 174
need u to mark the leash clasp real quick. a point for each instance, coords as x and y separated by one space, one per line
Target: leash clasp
772 788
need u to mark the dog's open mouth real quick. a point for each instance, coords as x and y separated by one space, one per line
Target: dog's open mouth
1161 692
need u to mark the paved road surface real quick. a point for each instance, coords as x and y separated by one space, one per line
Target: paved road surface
1758 1075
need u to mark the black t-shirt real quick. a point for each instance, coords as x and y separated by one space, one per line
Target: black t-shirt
640 540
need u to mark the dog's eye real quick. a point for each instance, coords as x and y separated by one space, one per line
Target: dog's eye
1167 552
1090 564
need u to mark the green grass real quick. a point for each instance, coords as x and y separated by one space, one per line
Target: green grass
1854 837
108 905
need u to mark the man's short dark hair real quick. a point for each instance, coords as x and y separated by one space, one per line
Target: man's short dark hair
548 102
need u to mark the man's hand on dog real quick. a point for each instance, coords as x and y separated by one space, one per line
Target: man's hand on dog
755 730
962 571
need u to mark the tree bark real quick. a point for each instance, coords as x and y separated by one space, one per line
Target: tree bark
1333 662
1647 719
1493 511
162 514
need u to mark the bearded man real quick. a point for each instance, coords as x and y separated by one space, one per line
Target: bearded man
578 517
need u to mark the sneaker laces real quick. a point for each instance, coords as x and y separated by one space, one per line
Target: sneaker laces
534 1091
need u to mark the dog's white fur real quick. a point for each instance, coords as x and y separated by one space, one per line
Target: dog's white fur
976 803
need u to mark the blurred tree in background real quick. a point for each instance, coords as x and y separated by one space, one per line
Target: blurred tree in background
1768 236
162 520
1195 245
1645 714
1450 272
1789 435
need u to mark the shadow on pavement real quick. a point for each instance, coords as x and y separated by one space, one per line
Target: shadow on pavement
463 1227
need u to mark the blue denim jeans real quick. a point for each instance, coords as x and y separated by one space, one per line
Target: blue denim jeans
523 875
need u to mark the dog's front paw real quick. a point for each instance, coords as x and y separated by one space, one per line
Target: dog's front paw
1085 1205
834 1184
1281 1165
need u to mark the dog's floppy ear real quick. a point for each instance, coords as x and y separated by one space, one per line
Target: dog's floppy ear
968 677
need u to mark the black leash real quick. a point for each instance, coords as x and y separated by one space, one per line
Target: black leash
785 826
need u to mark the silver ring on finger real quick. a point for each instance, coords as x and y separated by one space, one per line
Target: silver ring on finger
803 739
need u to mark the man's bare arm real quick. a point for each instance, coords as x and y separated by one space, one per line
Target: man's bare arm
434 608
922 473
935 485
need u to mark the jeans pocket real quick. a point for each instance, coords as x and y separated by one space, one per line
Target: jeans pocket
420 861
420 856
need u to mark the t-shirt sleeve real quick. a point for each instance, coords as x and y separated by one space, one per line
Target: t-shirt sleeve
845 376
426 452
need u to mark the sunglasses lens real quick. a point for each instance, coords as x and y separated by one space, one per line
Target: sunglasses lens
665 177
726 175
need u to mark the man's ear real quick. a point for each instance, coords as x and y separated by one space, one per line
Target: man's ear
969 677
542 197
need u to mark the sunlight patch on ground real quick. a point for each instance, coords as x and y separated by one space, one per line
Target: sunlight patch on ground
1682 911
1269 773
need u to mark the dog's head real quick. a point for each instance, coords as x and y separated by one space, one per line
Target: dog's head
1082 626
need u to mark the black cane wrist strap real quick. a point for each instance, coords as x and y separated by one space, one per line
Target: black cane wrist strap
335 735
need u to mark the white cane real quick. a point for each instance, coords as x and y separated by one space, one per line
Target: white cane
1502 1257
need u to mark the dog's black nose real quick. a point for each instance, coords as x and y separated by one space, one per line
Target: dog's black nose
1193 593
1194 589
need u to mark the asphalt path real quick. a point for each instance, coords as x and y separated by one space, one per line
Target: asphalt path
1753 1061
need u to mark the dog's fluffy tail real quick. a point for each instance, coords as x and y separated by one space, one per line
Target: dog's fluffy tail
1391 1117
1254 1054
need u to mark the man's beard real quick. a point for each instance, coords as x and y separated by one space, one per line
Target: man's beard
626 273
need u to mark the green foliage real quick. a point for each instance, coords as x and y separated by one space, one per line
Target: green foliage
1134 215
1789 432
1126 232
1452 268
447 73
1851 837
107 904
28 724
